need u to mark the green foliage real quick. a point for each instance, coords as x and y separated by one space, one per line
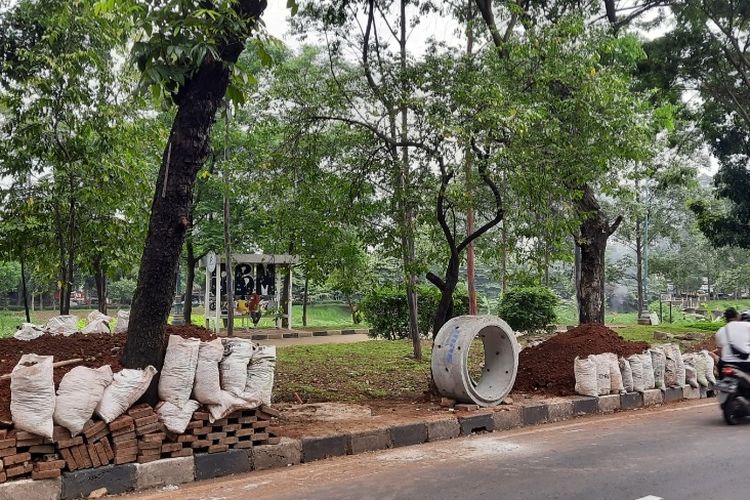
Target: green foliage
385 310
121 291
528 309
10 276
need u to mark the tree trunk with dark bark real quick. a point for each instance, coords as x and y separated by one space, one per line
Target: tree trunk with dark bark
304 301
639 264
100 277
595 230
24 292
186 151
191 261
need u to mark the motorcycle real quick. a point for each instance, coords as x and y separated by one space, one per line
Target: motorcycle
734 395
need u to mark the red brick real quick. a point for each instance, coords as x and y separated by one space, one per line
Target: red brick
68 456
49 464
94 429
244 445
8 452
244 432
99 448
46 474
137 413
19 470
42 449
108 449
216 435
201 415
67 443
156 445
17 459
217 448
185 452
122 422
186 438
84 456
171 447
146 429
124 438
203 443
125 459
7 443
93 456
59 432
152 438
195 424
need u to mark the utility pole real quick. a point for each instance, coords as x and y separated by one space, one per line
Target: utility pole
227 238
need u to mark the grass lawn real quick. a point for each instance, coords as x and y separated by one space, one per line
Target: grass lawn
377 369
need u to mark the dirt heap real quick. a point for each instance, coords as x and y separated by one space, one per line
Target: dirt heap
96 349
708 344
548 367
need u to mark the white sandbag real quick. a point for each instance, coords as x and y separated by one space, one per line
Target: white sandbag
233 368
615 377
28 331
691 377
710 375
680 366
659 361
62 325
78 395
627 375
636 370
585 373
178 372
98 326
32 395
127 386
229 403
648 371
98 316
207 386
123 318
260 373
174 418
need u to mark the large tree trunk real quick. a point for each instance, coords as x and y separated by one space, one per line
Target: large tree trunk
185 153
24 292
595 230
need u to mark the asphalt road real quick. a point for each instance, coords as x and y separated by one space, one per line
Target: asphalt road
681 451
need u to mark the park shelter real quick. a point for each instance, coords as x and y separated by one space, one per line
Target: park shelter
252 273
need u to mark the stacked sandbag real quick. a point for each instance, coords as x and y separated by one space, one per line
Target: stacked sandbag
674 371
260 373
586 378
97 322
32 395
233 370
636 370
658 360
710 375
626 374
123 319
178 372
615 376
79 393
62 325
127 386
176 418
28 331
207 386
648 371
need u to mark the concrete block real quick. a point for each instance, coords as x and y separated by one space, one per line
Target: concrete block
316 448
689 392
270 456
334 332
348 332
652 397
320 333
507 418
211 465
609 403
275 336
476 423
583 405
360 442
409 434
438 430
560 411
47 489
304 334
535 414
672 394
115 478
631 400
164 472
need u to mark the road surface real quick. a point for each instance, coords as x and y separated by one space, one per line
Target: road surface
681 451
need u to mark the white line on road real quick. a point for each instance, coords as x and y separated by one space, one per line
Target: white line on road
650 497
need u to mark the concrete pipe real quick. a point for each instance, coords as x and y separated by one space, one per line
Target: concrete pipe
450 360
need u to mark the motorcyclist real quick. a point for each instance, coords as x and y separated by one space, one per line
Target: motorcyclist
733 341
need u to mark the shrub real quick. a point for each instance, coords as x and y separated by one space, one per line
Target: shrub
386 311
528 308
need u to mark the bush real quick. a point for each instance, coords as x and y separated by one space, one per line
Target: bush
528 308
386 311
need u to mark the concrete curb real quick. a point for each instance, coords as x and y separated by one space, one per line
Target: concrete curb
123 478
308 333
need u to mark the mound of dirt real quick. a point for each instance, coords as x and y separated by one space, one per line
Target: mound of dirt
708 344
96 349
548 367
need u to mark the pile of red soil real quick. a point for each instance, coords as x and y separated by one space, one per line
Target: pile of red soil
548 367
97 349
708 344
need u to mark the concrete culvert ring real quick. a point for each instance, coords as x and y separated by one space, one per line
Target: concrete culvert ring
450 360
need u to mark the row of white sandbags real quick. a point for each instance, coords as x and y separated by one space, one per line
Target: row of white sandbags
226 375
67 325
83 391
657 368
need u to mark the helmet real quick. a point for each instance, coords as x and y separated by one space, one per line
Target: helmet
745 315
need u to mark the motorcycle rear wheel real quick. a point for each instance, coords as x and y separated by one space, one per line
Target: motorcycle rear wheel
733 412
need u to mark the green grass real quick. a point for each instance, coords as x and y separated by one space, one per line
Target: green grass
377 369
318 316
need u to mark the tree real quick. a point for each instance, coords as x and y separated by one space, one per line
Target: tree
189 64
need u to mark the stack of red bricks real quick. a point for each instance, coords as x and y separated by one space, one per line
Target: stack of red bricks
22 453
242 429
137 436
91 448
